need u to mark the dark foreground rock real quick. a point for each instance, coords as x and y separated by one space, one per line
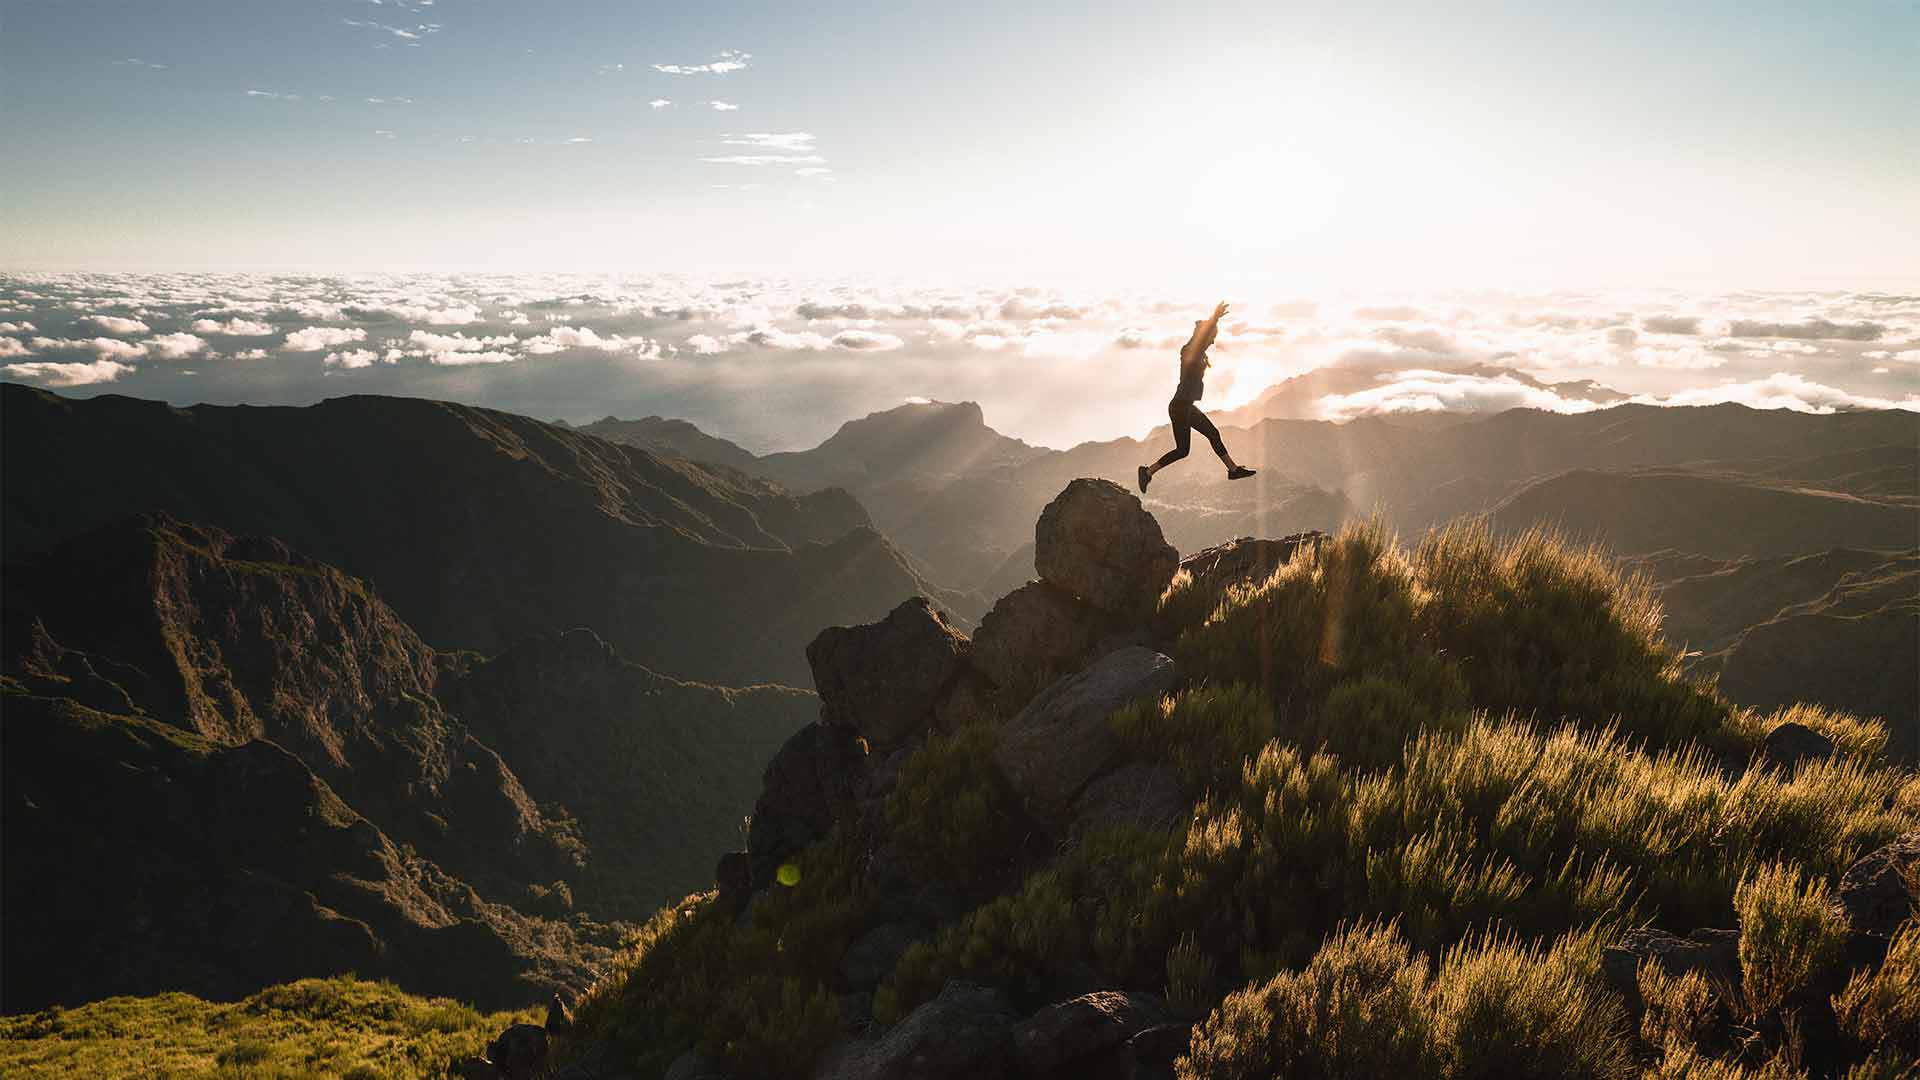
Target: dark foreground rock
1713 953
963 1034
1090 1031
1877 893
885 678
1790 744
811 783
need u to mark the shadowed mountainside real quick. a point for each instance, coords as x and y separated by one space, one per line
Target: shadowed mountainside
479 527
255 760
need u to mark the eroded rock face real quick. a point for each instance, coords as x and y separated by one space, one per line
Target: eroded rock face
884 678
1081 1031
1097 542
1061 740
963 1033
1033 635
811 783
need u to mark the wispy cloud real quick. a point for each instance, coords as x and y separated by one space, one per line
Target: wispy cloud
659 103
134 61
609 69
723 106
772 140
727 60
389 101
114 324
317 338
412 34
579 139
273 95
765 159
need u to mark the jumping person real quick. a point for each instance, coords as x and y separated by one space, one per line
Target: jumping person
1184 409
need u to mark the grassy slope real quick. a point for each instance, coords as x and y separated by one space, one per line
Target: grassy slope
1432 784
341 1026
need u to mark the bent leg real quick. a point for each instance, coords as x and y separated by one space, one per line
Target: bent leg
1205 426
1181 414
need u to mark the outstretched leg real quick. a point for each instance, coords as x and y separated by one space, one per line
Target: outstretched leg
1181 414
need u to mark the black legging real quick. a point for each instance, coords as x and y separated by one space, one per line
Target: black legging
1187 418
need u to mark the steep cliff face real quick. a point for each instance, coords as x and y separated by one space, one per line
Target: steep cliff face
479 527
143 857
239 639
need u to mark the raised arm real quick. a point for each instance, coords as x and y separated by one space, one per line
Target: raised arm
1204 334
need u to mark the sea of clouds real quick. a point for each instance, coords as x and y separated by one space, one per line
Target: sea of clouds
777 363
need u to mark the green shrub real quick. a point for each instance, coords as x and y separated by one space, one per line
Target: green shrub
952 812
751 992
1879 1011
1205 733
1790 933
1366 1006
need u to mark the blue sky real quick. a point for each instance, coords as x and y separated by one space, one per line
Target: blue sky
1370 145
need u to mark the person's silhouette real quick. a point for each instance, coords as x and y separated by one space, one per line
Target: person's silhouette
1184 410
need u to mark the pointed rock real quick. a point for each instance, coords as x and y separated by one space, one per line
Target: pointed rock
1097 542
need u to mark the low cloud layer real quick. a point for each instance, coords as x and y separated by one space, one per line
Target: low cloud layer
779 363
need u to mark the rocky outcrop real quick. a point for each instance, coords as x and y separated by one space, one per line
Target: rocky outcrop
811 783
1713 953
884 678
963 1034
1032 636
1061 740
1097 542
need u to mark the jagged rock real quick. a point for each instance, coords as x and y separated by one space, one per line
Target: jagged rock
1033 635
1071 1032
559 1017
1877 893
1061 740
1246 559
1151 1054
692 1066
810 784
1713 953
873 957
963 1033
519 1052
1097 542
884 678
733 877
1142 795
1790 744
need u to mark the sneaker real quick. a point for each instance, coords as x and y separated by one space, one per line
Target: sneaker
1146 477
1240 472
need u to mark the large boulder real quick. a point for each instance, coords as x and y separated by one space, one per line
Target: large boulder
1876 893
875 954
1081 1031
884 678
814 781
1033 635
1792 743
1061 740
963 1033
520 1052
1097 542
